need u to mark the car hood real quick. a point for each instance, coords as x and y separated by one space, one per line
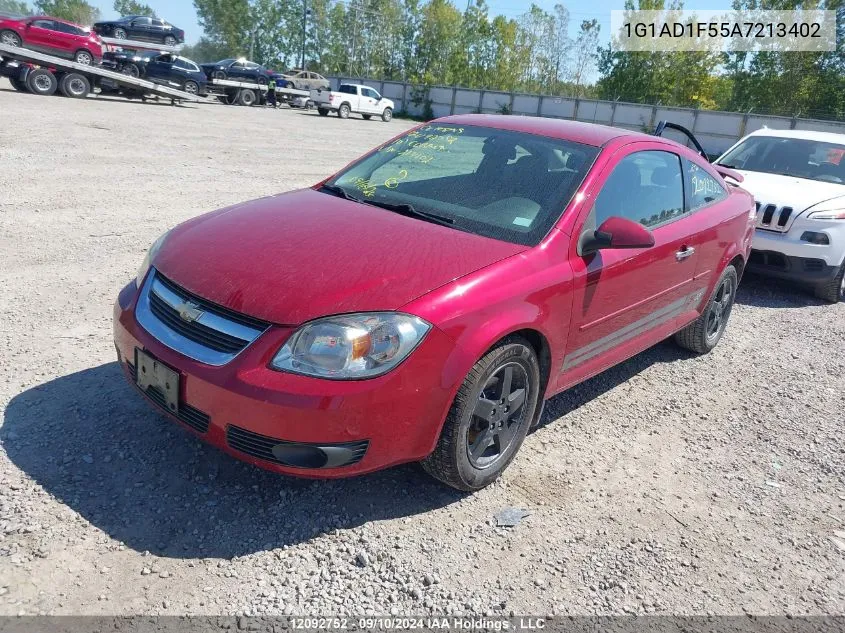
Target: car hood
293 257
789 191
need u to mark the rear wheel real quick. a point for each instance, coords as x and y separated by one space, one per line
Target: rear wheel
42 82
120 34
489 418
19 85
191 87
10 38
387 115
75 86
703 334
834 290
323 112
247 98
218 74
343 111
170 41
83 57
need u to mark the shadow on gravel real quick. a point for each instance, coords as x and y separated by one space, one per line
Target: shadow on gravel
766 292
93 443
579 395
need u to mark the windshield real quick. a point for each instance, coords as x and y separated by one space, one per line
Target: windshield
506 185
802 158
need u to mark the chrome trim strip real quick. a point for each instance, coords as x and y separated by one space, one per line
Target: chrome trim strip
640 326
176 341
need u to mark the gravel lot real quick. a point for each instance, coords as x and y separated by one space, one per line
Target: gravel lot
669 484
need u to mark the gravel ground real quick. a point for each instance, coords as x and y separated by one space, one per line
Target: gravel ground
670 484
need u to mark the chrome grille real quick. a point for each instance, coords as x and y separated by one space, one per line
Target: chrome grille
770 217
192 325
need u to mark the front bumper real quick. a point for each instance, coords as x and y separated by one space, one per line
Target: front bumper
807 270
300 425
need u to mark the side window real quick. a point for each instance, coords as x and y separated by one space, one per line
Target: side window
156 22
141 22
45 24
645 187
703 188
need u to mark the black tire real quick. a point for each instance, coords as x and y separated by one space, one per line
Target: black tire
344 110
463 459
170 41
42 82
191 87
387 115
84 57
75 86
10 38
323 112
131 70
18 85
367 117
119 34
247 98
218 74
834 290
703 334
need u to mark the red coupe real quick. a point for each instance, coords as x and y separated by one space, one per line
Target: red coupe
54 37
422 304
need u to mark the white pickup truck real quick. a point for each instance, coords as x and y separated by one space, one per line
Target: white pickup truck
351 98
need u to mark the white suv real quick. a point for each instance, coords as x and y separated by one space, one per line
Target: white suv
798 180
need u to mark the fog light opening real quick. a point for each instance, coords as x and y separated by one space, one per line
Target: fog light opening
814 237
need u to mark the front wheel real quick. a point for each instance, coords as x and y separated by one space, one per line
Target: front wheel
10 38
131 70
191 87
387 115
83 57
218 74
703 334
834 290
489 418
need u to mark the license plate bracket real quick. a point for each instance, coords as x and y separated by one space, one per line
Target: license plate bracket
150 372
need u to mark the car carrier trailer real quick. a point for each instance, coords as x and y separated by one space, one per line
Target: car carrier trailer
42 74
248 93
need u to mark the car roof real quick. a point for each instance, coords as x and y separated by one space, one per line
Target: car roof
577 131
50 17
807 135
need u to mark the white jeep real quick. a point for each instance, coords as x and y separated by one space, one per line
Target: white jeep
798 180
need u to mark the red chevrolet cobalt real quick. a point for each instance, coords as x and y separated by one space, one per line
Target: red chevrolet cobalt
422 304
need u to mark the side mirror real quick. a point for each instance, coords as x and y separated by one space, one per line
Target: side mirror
615 233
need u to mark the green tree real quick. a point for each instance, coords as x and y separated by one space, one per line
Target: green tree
15 7
131 7
584 53
78 11
206 50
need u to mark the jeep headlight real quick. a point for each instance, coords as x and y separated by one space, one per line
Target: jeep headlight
351 346
148 259
838 214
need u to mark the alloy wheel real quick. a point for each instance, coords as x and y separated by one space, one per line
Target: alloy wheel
498 415
10 39
119 34
84 58
191 88
720 308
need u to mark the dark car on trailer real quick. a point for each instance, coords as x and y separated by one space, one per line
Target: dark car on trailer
164 68
238 70
142 28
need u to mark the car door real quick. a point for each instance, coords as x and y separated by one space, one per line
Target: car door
156 30
139 28
368 104
39 35
160 68
236 71
627 300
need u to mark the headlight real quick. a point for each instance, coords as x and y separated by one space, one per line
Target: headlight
148 259
351 346
839 214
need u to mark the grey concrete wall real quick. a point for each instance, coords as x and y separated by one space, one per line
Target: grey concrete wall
715 130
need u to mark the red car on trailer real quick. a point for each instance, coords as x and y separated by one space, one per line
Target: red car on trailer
53 36
423 303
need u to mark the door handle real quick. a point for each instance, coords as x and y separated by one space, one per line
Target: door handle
684 253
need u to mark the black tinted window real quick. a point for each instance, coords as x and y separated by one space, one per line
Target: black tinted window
644 187
142 21
45 24
347 89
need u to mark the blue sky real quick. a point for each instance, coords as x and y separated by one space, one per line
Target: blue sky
182 12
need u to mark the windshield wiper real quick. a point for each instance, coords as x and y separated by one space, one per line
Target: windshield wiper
342 193
410 211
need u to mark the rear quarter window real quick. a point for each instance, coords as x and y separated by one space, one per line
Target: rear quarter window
702 187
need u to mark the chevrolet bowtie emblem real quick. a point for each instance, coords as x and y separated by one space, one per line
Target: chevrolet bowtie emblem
189 312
